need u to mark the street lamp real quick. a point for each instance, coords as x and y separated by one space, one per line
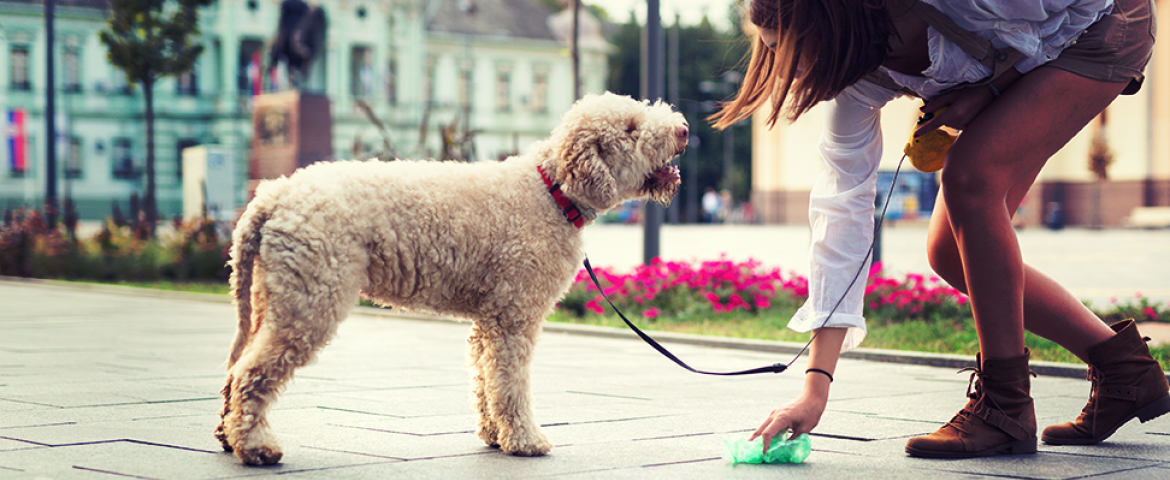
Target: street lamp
653 88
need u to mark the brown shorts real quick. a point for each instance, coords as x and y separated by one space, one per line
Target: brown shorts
1116 48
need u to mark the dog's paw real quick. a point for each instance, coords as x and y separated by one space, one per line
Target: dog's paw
221 435
489 434
256 446
260 455
530 446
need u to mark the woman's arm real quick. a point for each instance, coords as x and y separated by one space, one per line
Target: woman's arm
804 413
841 216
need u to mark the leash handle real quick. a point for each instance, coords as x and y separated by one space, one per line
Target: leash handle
776 367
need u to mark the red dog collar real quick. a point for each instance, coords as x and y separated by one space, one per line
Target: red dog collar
573 214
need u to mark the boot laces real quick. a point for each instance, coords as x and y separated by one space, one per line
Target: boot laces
976 393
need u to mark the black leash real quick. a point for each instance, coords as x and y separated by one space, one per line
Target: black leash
777 367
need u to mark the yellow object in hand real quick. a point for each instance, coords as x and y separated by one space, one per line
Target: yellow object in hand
928 152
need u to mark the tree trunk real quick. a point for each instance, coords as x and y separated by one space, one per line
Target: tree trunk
151 201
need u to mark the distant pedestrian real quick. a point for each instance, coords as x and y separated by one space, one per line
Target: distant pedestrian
712 204
1020 79
726 205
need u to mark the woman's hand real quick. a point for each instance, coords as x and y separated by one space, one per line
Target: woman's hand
962 106
801 415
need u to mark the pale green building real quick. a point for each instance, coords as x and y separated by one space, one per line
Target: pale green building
505 64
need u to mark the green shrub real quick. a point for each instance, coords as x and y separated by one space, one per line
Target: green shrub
196 251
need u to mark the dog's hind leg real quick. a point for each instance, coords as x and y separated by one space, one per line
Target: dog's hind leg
296 325
256 379
220 433
506 364
486 427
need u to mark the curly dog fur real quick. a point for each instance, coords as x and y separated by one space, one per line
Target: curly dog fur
484 241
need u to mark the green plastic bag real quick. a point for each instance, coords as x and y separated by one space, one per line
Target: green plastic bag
781 451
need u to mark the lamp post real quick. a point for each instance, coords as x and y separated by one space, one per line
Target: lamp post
653 89
50 120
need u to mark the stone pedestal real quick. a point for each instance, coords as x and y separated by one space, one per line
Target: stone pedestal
290 130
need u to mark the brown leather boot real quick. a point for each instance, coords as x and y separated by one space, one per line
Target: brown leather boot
1127 383
999 418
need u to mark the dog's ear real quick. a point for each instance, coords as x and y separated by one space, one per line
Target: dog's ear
583 175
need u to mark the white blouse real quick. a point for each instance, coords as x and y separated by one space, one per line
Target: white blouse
1039 30
841 205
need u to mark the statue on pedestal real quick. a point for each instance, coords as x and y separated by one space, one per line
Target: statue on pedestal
300 39
293 128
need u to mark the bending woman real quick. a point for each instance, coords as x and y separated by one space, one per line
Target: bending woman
1020 79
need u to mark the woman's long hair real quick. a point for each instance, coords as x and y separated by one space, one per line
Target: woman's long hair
833 43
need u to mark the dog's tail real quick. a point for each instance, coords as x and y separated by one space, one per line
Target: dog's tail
245 247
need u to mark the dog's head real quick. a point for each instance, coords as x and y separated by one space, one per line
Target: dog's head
612 148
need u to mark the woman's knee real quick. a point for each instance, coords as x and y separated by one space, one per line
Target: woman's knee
962 184
943 255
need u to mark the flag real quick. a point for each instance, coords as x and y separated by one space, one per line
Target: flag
17 140
256 74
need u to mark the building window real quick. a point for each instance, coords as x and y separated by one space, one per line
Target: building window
538 100
187 83
18 68
429 82
122 158
465 88
118 83
361 72
73 165
392 80
182 144
251 71
71 69
504 91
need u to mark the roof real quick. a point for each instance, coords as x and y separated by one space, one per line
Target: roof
511 18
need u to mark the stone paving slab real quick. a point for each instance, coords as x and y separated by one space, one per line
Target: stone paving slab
109 383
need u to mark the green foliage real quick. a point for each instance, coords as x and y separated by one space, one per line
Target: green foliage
705 55
1139 308
722 298
195 251
151 39
556 6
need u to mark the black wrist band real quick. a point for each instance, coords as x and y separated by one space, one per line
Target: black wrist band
827 374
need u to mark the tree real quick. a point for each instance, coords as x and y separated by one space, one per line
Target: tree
149 40
706 53
558 5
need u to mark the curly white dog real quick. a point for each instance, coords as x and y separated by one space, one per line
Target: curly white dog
496 242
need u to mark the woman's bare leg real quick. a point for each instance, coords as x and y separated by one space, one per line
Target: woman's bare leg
1002 150
1050 310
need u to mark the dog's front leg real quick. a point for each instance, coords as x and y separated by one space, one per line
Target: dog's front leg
506 363
485 428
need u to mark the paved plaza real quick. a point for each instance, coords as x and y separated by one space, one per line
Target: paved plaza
111 382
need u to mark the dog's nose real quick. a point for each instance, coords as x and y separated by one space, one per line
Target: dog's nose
683 133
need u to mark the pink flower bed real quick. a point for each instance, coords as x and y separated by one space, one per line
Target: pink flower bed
665 289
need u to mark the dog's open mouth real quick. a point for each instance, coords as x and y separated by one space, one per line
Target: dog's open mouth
662 184
667 174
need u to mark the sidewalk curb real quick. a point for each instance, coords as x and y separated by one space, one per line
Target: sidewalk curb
1054 369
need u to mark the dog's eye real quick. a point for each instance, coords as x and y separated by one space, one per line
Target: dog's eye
631 126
